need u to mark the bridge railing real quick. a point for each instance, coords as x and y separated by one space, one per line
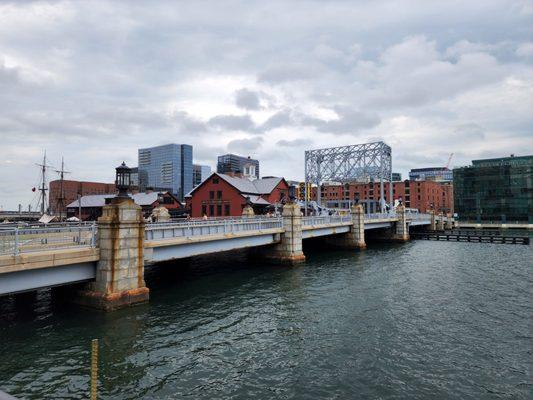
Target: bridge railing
169 230
25 240
325 219
380 216
418 216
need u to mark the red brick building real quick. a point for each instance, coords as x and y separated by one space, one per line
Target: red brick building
71 189
223 195
421 195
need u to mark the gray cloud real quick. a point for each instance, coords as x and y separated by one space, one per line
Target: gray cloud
245 146
294 143
349 121
279 119
233 122
247 99
286 72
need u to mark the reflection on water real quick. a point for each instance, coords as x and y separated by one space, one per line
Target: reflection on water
420 320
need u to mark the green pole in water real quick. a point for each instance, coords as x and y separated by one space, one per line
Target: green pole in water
94 369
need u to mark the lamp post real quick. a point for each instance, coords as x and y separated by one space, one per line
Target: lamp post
123 180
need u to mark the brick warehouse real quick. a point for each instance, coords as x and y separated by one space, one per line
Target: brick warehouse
422 195
71 189
223 195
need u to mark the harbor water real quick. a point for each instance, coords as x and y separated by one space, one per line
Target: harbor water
421 320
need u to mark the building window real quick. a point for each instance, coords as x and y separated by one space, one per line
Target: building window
219 210
204 210
215 180
211 210
226 209
211 194
219 194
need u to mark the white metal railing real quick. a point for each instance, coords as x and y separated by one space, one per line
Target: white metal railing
418 216
325 219
380 216
24 240
169 230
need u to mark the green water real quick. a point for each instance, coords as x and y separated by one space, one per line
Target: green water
424 320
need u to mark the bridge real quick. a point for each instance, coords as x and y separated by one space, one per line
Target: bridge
111 254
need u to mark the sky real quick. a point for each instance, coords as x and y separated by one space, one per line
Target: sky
93 81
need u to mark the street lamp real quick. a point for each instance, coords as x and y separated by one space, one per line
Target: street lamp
123 180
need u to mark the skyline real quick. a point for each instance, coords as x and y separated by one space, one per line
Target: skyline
269 81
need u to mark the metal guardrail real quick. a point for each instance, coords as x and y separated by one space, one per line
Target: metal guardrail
25 240
325 219
169 230
380 216
418 216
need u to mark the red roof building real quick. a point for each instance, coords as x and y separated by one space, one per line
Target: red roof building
224 195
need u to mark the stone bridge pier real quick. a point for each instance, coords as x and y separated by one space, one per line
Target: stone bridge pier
289 250
355 238
120 271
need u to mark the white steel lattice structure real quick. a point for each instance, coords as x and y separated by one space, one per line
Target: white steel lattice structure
355 163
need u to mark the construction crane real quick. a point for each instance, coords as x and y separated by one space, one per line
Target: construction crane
449 160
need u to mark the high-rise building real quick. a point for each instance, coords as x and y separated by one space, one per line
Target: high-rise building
233 163
199 174
396 176
498 190
168 166
439 174
135 177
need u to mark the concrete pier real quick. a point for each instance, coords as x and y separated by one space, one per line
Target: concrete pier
401 230
120 270
432 224
440 222
289 250
355 238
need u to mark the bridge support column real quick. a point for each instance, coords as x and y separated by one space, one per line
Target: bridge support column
120 270
289 251
449 222
401 229
432 225
355 239
440 222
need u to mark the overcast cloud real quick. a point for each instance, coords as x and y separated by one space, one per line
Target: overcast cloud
93 81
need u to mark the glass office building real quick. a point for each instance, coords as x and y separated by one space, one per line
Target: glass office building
234 163
168 166
199 174
498 190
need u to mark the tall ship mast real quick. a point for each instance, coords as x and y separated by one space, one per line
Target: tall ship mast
60 203
42 187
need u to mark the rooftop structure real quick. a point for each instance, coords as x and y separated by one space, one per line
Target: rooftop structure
442 174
